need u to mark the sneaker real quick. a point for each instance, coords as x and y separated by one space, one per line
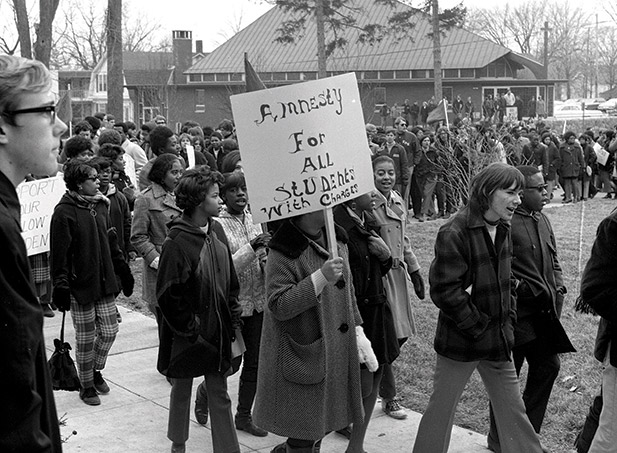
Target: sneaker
118 316
89 396
99 383
393 409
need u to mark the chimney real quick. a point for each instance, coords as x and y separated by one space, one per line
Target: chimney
199 46
182 44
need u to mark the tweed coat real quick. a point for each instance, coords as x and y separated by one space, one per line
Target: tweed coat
390 216
572 162
309 373
470 280
154 209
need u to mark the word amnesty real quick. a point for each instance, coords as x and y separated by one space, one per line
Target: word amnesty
282 110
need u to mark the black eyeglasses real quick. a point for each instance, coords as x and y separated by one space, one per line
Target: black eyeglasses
93 178
49 109
539 188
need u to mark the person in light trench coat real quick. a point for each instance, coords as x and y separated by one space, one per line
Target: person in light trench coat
155 207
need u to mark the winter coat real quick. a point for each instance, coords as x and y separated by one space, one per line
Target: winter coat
368 272
309 374
154 208
121 219
240 231
83 251
197 292
554 162
477 310
599 286
535 265
572 162
28 418
391 218
589 160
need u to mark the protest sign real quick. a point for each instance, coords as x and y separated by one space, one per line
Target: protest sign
38 200
304 146
601 153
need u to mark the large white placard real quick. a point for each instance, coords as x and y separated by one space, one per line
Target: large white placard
38 200
304 146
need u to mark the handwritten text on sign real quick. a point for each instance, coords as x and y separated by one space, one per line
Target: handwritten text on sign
38 200
304 146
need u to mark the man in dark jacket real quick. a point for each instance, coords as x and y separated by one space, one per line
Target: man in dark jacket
29 139
599 293
538 335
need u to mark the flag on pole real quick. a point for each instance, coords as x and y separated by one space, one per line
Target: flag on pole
252 80
439 113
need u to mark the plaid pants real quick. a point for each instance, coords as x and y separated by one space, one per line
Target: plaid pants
96 327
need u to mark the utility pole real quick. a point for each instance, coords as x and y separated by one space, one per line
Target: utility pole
321 40
436 51
545 29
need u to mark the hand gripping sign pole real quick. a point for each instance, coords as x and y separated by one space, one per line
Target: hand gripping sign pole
304 148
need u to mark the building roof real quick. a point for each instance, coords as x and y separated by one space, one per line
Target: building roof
460 48
146 68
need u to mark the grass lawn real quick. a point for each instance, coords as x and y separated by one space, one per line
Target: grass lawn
579 379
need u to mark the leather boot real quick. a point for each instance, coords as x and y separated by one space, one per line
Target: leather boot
243 418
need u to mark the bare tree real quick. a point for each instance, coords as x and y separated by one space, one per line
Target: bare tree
566 41
607 55
8 42
47 14
507 25
23 28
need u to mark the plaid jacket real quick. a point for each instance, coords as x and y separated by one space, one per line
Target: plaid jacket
470 282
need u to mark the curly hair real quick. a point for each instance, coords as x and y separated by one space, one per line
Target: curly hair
161 165
75 173
194 186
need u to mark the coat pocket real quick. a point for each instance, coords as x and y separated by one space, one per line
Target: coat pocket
303 364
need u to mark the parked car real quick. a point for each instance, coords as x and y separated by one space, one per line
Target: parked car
592 103
610 105
575 112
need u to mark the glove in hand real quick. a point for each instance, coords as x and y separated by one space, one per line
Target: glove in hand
418 284
126 279
365 351
62 298
378 248
260 241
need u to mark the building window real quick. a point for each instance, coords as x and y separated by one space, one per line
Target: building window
101 83
468 73
371 75
309 76
265 76
450 73
386 75
278 76
293 76
222 77
194 77
200 101
447 93
235 77
401 74
418 74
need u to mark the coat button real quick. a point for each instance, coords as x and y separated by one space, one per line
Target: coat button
344 328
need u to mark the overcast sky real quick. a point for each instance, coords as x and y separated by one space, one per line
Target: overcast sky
213 21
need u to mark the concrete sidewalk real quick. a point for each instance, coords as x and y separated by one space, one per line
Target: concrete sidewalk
133 416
